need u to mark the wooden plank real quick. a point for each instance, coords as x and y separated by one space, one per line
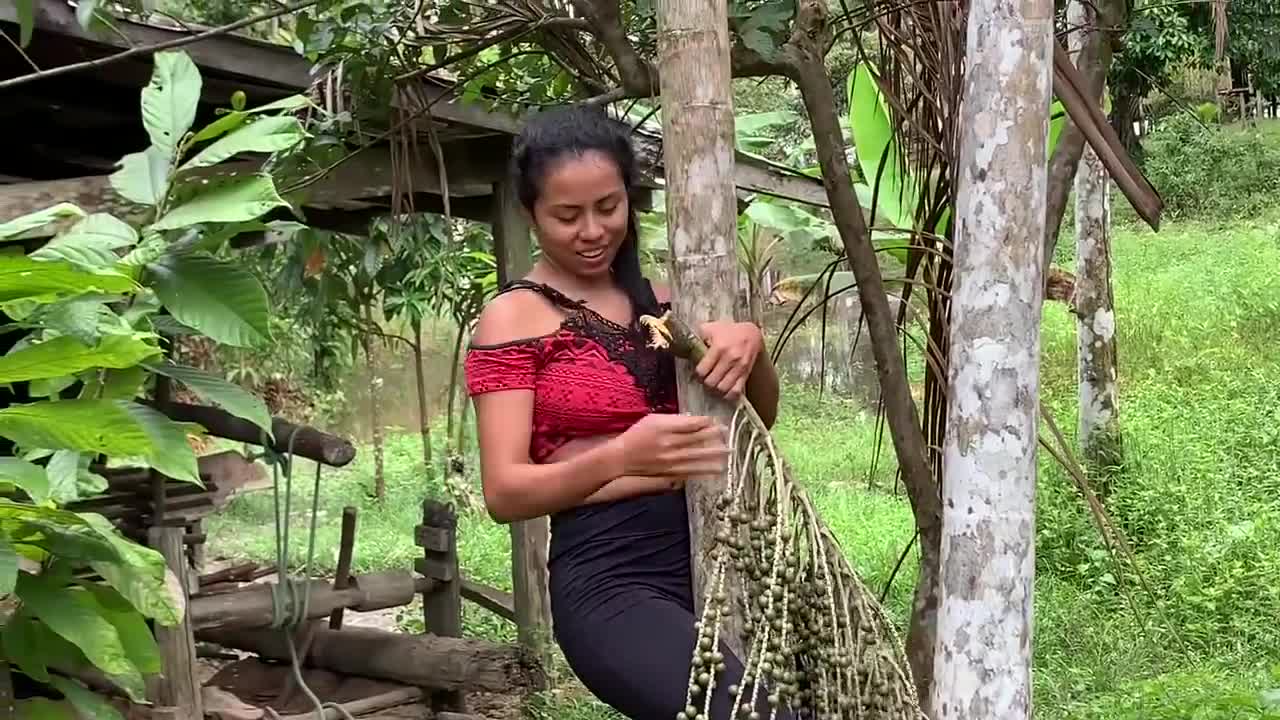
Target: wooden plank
442 606
426 661
496 601
178 686
530 539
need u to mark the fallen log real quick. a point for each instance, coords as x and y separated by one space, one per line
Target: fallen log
253 606
425 661
309 442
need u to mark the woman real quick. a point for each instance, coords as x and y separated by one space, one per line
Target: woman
579 420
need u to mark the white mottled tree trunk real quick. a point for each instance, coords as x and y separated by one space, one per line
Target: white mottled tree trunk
983 661
1096 321
702 217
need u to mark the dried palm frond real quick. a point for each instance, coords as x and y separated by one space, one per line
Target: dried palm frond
816 639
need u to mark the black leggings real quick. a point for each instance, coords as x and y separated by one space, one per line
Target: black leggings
622 605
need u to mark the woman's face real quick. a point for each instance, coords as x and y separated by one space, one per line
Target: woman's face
581 214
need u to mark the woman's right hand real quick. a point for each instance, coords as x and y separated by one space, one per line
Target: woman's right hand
662 444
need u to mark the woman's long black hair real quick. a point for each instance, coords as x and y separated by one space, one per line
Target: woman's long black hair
547 137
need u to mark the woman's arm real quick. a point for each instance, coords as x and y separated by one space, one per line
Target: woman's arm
731 346
514 487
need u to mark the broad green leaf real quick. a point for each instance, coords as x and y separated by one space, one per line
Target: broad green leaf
18 227
45 709
223 301
90 426
26 20
22 278
123 384
139 643
170 453
169 101
233 199
66 355
84 318
87 703
58 532
25 644
8 567
27 476
1057 121
50 387
143 177
139 577
63 470
75 614
213 389
266 135
91 243
896 194
232 120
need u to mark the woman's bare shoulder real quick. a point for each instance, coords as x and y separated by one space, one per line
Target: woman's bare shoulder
515 315
661 291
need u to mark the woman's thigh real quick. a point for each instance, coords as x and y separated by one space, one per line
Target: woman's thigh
638 662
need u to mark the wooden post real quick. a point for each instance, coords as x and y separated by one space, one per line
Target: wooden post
702 220
177 687
989 452
442 606
530 539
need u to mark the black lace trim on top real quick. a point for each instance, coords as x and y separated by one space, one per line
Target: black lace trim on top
653 370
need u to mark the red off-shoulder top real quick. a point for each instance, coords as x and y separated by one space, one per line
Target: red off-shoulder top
592 376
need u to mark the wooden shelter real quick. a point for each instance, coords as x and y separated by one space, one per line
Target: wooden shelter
67 133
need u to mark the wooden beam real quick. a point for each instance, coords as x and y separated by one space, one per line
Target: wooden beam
426 661
177 687
310 443
253 60
496 601
442 604
253 606
530 539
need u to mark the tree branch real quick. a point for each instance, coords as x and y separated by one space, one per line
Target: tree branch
149 49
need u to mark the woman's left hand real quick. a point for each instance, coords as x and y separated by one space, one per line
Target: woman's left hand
732 349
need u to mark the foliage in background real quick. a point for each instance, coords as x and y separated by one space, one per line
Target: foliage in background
1219 172
94 304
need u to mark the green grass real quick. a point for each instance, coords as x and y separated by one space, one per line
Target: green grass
1198 309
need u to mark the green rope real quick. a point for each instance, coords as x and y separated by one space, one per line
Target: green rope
288 612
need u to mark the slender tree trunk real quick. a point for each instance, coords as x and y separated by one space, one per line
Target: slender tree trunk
1100 438
453 381
420 379
702 221
983 663
1092 49
375 410
810 75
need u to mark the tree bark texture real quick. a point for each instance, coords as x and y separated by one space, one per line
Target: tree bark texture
420 380
1090 45
983 661
810 75
1100 439
702 220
